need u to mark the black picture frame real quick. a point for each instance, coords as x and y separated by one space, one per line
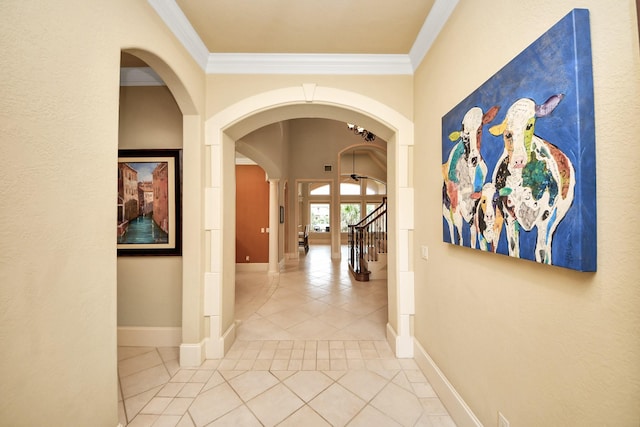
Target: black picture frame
149 218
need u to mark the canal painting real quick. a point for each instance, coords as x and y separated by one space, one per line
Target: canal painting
146 221
518 155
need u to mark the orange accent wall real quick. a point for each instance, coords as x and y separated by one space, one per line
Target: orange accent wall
252 214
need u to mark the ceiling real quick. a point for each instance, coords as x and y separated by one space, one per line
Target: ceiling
307 26
306 36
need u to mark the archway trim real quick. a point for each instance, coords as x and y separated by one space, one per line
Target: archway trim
220 279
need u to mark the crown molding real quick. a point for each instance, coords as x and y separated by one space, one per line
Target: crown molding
280 63
139 76
283 63
438 16
175 19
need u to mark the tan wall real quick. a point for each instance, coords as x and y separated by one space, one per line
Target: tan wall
225 90
149 118
544 345
59 115
149 288
252 215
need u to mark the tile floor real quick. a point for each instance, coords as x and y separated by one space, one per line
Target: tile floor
310 351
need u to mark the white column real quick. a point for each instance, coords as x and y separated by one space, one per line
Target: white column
274 220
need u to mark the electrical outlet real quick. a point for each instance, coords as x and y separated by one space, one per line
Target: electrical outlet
502 421
247 258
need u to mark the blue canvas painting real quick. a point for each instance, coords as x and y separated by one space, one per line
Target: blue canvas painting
518 155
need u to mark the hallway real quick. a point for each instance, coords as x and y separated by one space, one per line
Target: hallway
310 351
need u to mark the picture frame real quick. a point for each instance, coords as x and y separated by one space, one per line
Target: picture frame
149 218
518 155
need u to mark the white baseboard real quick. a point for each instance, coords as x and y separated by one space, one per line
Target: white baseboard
140 336
457 407
192 355
391 337
216 348
252 266
402 346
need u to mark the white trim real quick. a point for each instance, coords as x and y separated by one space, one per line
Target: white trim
212 293
401 345
139 76
392 337
217 347
252 266
175 19
279 63
292 63
192 355
242 160
456 406
438 16
140 336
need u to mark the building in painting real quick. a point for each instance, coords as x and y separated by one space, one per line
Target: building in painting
127 195
161 196
145 195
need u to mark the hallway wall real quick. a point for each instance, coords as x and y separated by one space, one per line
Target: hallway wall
545 346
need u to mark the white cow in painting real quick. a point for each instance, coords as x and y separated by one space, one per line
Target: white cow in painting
488 218
535 178
465 173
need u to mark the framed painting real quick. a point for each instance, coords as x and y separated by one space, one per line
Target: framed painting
518 155
149 208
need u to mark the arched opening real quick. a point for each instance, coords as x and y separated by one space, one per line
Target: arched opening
162 114
228 126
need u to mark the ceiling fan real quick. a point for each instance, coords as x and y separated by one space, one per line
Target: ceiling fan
354 176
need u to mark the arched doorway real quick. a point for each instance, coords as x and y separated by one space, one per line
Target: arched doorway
188 267
229 125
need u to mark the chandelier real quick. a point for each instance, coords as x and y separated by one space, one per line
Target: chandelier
359 130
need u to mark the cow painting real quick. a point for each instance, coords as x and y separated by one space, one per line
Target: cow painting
534 178
527 190
464 173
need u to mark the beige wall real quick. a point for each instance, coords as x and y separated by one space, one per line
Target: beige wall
59 116
544 345
149 118
225 90
149 288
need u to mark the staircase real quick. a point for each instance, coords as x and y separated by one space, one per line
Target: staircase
368 245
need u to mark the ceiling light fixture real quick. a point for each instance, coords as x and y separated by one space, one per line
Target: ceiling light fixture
359 130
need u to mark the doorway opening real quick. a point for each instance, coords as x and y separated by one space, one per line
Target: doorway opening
232 124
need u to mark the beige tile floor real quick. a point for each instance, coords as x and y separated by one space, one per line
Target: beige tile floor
310 351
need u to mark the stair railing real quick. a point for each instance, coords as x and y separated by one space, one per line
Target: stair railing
367 239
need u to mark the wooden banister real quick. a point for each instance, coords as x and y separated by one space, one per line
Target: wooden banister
367 239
